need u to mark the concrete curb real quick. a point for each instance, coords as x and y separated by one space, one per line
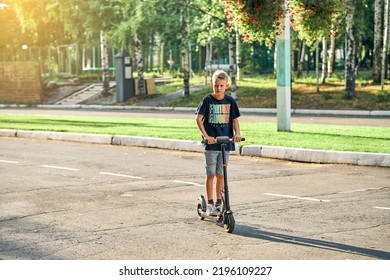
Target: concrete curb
283 153
317 156
64 136
150 142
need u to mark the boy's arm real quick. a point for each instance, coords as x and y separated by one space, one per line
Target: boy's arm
236 128
199 122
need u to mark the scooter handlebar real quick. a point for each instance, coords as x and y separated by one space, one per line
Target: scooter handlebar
222 139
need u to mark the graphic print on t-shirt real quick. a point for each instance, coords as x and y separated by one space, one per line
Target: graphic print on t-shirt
219 114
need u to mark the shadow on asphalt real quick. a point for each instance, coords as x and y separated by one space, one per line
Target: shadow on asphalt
251 232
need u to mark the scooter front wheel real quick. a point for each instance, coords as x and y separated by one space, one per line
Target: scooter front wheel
200 210
229 223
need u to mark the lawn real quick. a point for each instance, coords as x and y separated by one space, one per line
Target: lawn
323 137
260 92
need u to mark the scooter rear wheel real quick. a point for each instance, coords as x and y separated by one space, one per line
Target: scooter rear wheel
229 223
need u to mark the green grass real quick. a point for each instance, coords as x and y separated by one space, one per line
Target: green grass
323 137
260 92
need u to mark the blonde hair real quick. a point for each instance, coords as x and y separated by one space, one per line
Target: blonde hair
220 74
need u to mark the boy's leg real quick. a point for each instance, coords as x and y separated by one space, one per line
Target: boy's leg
219 186
210 188
211 167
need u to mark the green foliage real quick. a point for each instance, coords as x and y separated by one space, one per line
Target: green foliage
262 20
208 21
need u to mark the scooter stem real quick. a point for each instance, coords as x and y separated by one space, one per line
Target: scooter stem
226 188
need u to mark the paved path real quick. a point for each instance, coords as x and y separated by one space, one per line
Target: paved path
166 97
77 201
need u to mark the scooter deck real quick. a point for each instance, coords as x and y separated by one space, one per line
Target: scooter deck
217 219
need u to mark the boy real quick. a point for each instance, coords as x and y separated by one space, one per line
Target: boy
217 115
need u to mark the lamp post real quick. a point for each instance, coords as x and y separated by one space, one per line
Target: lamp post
283 73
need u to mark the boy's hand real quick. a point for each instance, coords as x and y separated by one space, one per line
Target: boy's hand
237 138
211 140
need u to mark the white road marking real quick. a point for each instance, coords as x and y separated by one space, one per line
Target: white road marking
382 208
188 183
120 175
297 197
9 161
60 167
360 190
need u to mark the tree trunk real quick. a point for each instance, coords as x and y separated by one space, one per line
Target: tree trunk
301 59
209 51
332 54
238 56
184 51
324 61
377 42
385 42
350 51
104 61
317 66
161 57
232 73
140 65
151 53
292 60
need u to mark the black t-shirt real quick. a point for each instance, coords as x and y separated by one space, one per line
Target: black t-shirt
218 116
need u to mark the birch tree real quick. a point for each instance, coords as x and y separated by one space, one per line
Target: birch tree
184 48
324 72
232 70
377 52
332 52
385 42
350 74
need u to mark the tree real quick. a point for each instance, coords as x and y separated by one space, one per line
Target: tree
260 20
232 70
377 42
332 53
79 19
137 19
209 26
324 61
102 18
215 26
350 74
184 48
11 35
385 42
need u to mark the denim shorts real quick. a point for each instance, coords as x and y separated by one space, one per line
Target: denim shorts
213 162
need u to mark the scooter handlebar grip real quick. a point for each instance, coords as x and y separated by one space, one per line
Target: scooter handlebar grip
204 141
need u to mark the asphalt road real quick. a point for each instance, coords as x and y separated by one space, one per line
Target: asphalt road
62 200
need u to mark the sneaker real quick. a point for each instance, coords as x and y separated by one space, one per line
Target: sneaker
218 207
211 211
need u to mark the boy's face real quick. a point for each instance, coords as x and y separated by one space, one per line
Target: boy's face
219 87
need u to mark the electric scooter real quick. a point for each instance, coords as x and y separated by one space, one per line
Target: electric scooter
226 215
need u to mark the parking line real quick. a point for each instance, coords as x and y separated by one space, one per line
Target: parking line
188 183
360 190
297 197
9 161
60 167
120 175
382 208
